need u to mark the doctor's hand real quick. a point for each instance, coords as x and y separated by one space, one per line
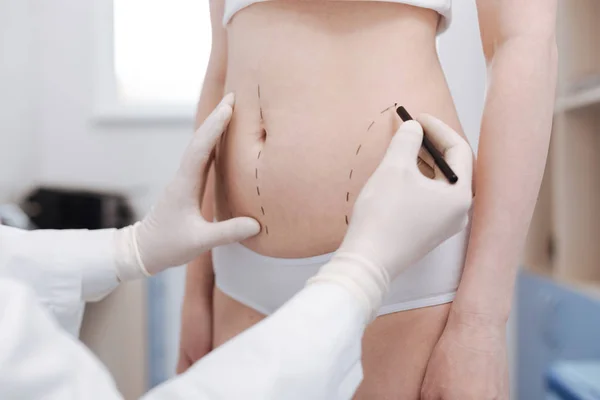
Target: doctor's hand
174 232
401 215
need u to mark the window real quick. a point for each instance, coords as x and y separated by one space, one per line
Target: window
152 57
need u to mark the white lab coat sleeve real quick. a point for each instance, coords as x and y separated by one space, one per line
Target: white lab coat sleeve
40 361
309 349
65 268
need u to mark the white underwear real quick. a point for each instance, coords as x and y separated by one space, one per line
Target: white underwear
266 283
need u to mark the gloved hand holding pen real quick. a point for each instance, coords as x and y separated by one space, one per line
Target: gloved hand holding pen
401 215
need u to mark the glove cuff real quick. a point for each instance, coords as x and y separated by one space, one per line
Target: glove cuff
361 277
127 255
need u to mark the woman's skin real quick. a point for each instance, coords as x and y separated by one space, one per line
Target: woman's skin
418 344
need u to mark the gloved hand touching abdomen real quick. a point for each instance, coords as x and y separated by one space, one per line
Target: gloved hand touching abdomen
88 264
174 232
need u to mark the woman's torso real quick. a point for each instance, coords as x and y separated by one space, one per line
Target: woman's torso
312 81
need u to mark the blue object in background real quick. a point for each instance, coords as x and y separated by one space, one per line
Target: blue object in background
165 296
574 381
156 293
554 323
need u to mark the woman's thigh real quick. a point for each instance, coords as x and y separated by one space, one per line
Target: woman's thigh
396 347
230 317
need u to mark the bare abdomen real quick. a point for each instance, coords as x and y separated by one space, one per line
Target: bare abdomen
314 85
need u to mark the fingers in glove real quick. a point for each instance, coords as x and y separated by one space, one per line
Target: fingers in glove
405 145
454 148
231 231
198 153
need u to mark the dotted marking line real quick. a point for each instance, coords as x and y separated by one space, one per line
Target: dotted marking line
262 209
356 154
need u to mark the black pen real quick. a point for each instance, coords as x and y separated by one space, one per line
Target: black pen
435 153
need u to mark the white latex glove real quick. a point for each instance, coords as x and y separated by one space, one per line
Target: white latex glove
174 232
401 215
38 359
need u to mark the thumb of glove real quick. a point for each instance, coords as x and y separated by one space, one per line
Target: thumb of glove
230 231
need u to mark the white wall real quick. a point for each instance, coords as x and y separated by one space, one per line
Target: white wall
46 100
464 65
74 149
17 145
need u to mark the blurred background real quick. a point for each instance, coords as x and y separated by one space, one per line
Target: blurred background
97 102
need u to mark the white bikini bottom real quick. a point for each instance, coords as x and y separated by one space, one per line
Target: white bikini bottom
266 283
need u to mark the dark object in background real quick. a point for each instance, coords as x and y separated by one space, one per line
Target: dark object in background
52 208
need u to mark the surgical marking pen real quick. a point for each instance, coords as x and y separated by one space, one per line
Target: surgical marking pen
431 149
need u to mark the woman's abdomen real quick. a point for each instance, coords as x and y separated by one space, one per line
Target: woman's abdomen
315 87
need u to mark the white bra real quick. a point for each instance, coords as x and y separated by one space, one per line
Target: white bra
442 7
